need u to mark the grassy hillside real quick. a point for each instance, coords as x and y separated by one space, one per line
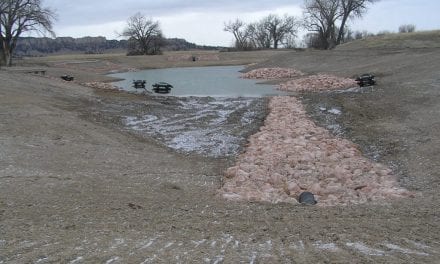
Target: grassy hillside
402 56
425 39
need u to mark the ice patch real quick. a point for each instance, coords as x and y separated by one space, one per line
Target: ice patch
331 111
218 259
133 121
42 260
169 244
365 250
148 244
117 243
198 243
405 250
213 243
77 260
208 126
150 259
112 260
419 245
335 111
326 246
205 142
253 258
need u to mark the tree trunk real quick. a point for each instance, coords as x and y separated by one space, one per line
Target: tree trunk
341 30
2 57
6 53
8 58
8 49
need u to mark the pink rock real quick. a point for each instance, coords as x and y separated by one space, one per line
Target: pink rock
231 172
272 73
293 187
291 154
315 189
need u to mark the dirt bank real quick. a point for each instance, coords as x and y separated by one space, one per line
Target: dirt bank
76 187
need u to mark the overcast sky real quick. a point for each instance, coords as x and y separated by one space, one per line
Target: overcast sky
202 21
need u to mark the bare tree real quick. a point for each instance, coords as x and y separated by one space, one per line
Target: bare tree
144 34
350 8
18 16
2 7
280 29
258 36
321 17
407 28
312 40
269 32
383 33
358 35
241 34
328 18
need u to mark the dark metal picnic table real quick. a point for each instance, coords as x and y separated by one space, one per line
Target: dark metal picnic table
162 87
365 80
139 84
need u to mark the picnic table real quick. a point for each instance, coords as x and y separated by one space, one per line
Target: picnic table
139 84
162 87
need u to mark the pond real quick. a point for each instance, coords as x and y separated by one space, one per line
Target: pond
218 81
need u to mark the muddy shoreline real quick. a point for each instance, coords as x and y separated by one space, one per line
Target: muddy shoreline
210 127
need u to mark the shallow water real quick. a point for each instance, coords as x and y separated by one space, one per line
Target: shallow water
218 81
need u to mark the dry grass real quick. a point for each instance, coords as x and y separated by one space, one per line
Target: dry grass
160 61
423 39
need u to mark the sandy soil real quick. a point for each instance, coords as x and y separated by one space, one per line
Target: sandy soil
77 187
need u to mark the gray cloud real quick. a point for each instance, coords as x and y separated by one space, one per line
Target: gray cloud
92 17
83 12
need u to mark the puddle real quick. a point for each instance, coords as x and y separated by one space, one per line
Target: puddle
218 81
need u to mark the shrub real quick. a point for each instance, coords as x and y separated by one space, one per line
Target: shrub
407 28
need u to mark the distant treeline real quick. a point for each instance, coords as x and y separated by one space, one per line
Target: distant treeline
30 46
